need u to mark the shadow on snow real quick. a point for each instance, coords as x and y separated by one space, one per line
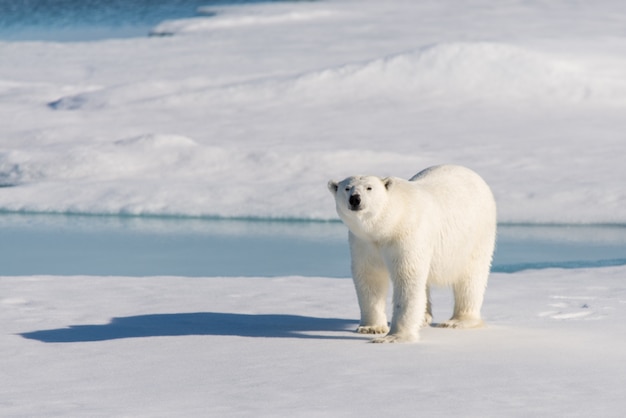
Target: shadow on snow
200 323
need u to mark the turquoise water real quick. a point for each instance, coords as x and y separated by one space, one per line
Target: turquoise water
136 246
143 246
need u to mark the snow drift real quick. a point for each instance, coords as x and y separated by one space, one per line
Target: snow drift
471 71
487 72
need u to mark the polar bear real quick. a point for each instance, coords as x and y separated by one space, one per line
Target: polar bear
436 229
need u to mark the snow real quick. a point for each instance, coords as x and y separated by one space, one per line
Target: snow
284 346
248 113
222 117
246 17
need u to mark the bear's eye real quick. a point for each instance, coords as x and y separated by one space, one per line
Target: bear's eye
369 188
347 189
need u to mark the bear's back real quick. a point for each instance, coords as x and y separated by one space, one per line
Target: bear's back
455 185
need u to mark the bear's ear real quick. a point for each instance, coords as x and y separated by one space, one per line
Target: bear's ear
388 182
333 186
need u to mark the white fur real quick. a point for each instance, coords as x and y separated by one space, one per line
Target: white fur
438 228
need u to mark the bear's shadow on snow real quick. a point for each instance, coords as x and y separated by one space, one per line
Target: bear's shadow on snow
200 323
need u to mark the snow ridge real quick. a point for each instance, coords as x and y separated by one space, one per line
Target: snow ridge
484 72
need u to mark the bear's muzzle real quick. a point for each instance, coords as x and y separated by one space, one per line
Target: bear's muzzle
355 202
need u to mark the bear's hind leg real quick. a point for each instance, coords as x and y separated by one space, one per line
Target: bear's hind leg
468 300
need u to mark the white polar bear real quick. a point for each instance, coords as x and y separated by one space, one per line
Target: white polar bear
439 228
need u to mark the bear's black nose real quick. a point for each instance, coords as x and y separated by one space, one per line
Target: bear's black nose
355 200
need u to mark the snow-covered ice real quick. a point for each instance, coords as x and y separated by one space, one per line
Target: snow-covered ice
225 116
284 346
247 113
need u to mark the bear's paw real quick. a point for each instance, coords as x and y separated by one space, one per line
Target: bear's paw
375 329
462 323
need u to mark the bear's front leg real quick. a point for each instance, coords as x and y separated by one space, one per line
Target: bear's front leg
371 282
371 290
409 306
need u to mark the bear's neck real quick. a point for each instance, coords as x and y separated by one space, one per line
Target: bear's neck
375 228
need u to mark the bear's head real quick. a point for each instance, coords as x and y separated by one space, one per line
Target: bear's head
360 199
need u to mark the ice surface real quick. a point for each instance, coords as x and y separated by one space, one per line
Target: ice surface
250 111
285 346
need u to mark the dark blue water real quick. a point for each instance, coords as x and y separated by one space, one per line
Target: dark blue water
86 20
136 246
